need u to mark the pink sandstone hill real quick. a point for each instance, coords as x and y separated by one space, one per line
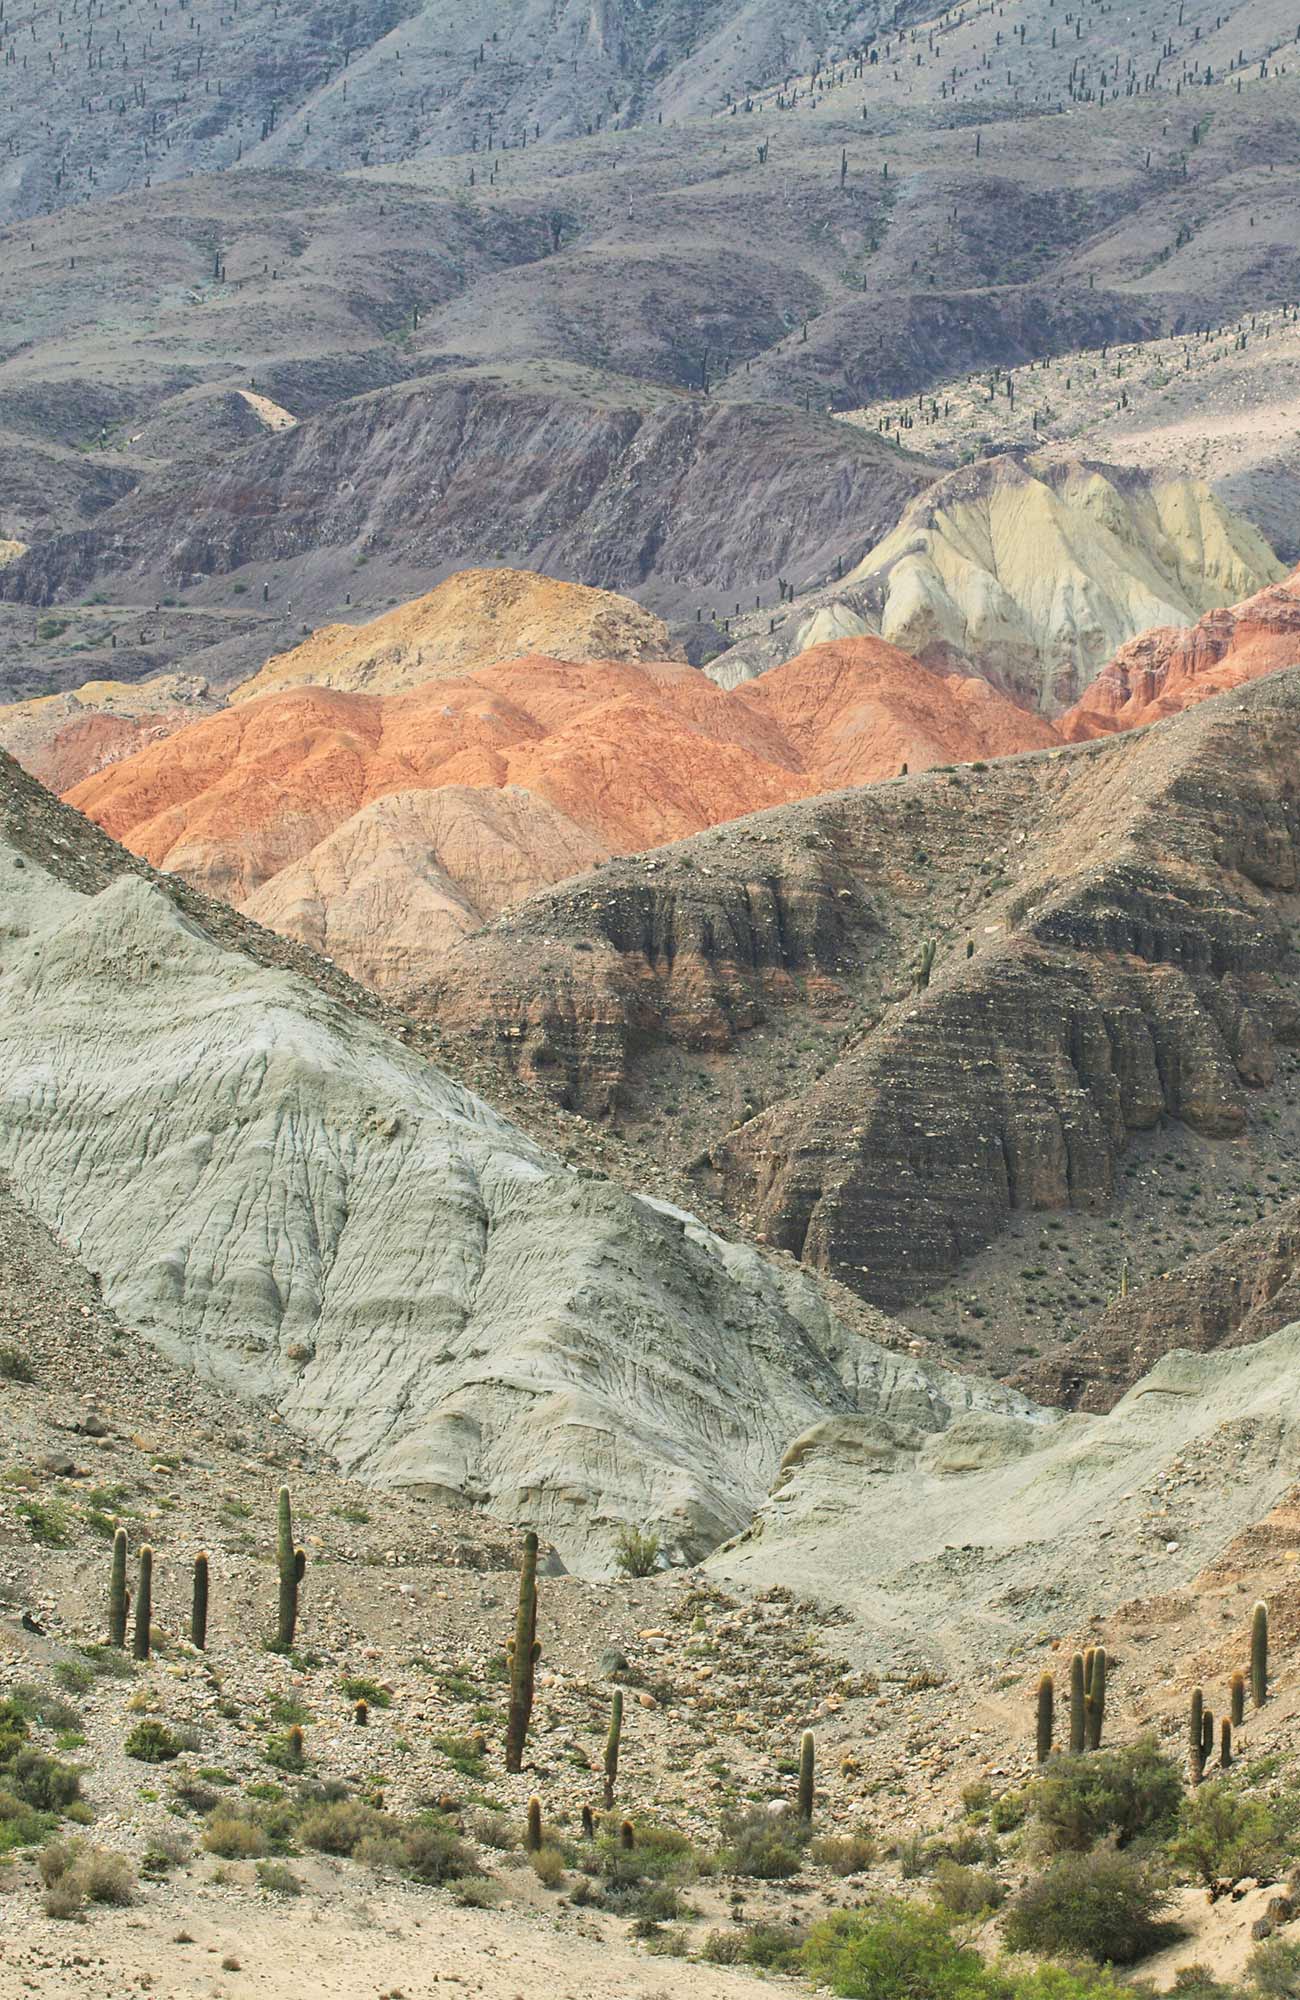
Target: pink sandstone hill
475 619
381 827
1172 667
63 738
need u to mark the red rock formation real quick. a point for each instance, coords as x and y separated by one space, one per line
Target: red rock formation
1168 669
623 755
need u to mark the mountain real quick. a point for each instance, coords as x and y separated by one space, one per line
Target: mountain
476 619
63 738
382 828
1239 1292
1032 572
907 1032
278 1191
1171 667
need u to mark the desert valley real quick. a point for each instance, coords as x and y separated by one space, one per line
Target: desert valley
650 1000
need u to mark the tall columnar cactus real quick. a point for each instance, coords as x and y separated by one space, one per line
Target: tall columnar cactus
611 1745
199 1603
1095 1700
533 1828
292 1564
117 1592
361 1714
588 1823
1195 1740
1046 1706
1077 1738
807 1775
1238 1711
1207 1737
627 1836
925 964
1225 1744
1259 1654
524 1651
143 1605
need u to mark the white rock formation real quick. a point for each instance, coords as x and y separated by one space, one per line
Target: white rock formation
279 1194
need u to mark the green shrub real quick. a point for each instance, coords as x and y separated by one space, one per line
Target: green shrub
47 1522
41 1781
152 1742
764 1846
548 1866
278 1878
636 1553
1197 1982
967 1892
1078 1982
20 1824
357 1689
1104 1905
434 1852
774 1946
14 1366
844 1853
1124 1793
234 1835
463 1753
339 1826
1220 1833
1273 1970
900 1951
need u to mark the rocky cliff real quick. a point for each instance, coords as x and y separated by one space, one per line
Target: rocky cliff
1171 667
687 501
1032 572
942 1002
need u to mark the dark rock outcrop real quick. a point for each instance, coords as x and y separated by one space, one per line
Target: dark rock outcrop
1112 951
624 487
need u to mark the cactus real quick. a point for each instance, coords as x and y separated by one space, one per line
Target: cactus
296 1754
1094 1706
1207 1737
117 1592
292 1563
533 1830
807 1771
1077 1738
627 1836
1259 1654
588 1823
1046 1703
1238 1711
925 964
611 1745
524 1652
143 1605
199 1603
1195 1739
1225 1744
361 1714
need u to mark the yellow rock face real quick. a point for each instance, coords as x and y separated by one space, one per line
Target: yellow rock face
1033 574
10 551
473 620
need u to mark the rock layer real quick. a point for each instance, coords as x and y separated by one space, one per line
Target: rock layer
277 1192
1111 949
63 739
1031 572
1171 667
273 804
475 619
